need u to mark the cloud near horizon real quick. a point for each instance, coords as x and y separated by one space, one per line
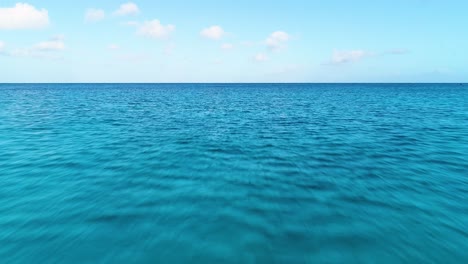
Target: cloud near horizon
340 57
348 56
23 16
45 49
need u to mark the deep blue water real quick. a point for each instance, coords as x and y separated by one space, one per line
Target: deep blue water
285 173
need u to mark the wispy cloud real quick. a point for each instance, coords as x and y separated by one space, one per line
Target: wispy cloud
126 9
349 56
23 16
340 57
113 47
154 29
213 32
227 46
45 49
260 57
94 15
277 40
54 44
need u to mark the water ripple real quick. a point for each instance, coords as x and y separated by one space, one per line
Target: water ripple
280 173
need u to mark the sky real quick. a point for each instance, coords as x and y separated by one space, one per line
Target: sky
234 41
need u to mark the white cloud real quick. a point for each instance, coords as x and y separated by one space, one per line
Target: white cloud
213 32
23 16
2 45
127 9
227 46
94 15
260 57
55 43
154 29
113 47
341 57
277 40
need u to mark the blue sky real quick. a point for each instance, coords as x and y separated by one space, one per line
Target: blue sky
234 41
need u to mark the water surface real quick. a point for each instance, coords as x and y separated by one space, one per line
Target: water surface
284 173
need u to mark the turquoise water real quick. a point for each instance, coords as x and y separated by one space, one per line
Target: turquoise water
285 173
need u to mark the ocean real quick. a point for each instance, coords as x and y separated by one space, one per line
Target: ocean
233 173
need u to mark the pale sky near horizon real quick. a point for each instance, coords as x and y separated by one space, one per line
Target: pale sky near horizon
234 41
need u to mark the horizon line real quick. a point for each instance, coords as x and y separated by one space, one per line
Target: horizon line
459 83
